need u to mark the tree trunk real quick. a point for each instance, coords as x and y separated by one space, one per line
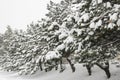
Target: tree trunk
40 65
71 65
61 66
88 67
56 65
107 72
106 69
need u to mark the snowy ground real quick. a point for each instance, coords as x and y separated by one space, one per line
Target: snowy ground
80 74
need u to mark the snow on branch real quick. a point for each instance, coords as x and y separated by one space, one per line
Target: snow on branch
52 55
110 43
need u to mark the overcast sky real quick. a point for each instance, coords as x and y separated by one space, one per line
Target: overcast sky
19 13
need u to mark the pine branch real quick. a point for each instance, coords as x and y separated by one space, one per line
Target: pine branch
110 43
101 16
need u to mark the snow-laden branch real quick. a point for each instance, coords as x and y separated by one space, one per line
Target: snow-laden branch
110 43
97 18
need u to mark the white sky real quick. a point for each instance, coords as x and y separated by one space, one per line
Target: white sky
19 13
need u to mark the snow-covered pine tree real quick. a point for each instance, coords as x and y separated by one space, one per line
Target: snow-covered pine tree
7 37
95 25
100 23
